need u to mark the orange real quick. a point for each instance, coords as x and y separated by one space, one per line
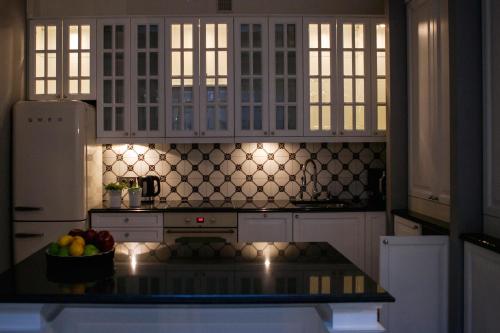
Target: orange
76 249
65 240
79 239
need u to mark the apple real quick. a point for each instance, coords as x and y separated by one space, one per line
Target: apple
105 241
77 232
90 236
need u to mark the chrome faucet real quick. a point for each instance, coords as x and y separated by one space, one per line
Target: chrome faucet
314 178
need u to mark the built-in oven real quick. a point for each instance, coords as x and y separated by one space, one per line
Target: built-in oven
211 226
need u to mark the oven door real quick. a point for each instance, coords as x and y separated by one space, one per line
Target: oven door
212 235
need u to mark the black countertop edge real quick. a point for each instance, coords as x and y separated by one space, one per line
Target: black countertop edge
193 300
430 226
484 241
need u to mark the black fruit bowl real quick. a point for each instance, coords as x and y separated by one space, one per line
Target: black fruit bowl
80 269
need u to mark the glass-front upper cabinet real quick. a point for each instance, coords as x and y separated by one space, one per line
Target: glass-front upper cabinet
45 60
113 73
182 81
319 77
380 73
354 78
217 77
79 59
251 51
147 83
285 70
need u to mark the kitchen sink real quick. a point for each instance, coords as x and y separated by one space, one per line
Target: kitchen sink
319 203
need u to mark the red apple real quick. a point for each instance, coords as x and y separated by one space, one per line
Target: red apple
90 236
105 241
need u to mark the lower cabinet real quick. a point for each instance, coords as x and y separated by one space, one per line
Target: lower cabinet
344 231
482 291
130 227
265 227
414 269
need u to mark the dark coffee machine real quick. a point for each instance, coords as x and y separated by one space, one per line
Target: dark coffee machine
377 184
149 190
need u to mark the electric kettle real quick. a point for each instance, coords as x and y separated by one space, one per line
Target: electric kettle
149 190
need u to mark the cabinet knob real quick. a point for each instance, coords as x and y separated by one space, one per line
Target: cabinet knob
126 133
296 216
341 133
334 133
265 215
187 220
126 234
133 133
415 227
265 132
385 242
125 220
195 133
272 133
202 133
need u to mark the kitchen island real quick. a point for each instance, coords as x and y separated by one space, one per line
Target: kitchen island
195 286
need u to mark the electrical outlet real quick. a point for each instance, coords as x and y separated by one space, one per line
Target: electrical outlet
130 181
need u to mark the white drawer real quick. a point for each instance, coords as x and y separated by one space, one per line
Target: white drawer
125 220
136 235
404 227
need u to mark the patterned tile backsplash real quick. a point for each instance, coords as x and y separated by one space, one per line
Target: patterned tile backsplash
258 171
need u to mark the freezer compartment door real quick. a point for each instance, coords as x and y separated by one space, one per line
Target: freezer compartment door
30 237
49 161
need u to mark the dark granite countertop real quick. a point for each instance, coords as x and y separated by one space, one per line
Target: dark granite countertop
484 241
430 226
199 273
247 206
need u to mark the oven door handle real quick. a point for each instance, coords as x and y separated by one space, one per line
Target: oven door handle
184 231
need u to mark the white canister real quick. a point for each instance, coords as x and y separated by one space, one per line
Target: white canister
135 197
115 198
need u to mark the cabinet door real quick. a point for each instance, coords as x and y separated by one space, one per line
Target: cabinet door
265 227
375 227
45 68
216 82
354 83
182 80
422 164
415 271
285 71
319 77
379 77
113 78
252 116
344 231
147 98
79 58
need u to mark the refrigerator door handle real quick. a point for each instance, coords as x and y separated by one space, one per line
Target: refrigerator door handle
27 209
28 235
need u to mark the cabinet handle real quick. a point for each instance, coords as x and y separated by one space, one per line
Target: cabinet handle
28 235
341 133
296 216
430 197
187 220
126 220
415 227
133 133
272 133
385 242
376 133
196 133
334 133
265 215
126 133
202 133
265 132
126 235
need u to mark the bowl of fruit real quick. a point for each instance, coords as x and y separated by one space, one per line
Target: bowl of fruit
81 255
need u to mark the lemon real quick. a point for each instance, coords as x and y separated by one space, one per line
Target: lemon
65 240
76 249
79 239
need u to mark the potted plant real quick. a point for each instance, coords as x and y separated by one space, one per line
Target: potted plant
135 195
115 194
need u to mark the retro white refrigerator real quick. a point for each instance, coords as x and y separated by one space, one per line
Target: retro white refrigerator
57 171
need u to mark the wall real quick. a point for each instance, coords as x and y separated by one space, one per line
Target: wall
241 171
61 8
12 23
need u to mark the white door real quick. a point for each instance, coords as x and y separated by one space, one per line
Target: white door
113 78
147 108
375 227
344 231
285 76
415 271
379 61
251 83
265 227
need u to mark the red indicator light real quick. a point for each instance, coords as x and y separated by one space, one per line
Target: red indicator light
200 220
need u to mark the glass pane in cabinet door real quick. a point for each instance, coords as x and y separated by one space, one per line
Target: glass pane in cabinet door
85 86
153 63
188 118
176 36
360 63
51 37
380 36
120 64
222 63
292 117
211 94
313 90
360 90
245 90
176 94
222 94
347 36
188 94
325 117
51 86
108 91
222 117
119 91
119 36
381 63
347 63
141 91
359 36
280 90
40 38
154 123
52 64
325 36
108 64
292 66
314 111
119 118
85 64
245 63
222 35
280 63
73 86
211 117
176 117
40 87
325 90
141 37
153 91
279 35
257 90
210 63
153 36
290 35
360 117
245 117
382 117
141 118
292 90
188 63
325 63
280 117
257 62
313 36
108 118
348 117
73 37
313 63
210 36
381 91
141 63
85 37
257 36
188 36
40 65
245 35
257 117
108 37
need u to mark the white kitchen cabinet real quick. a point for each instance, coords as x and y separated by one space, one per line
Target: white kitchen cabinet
429 128
344 231
482 293
147 108
217 77
414 269
265 227
285 76
251 83
79 75
130 227
319 76
379 50
113 78
404 227
182 77
375 227
45 63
